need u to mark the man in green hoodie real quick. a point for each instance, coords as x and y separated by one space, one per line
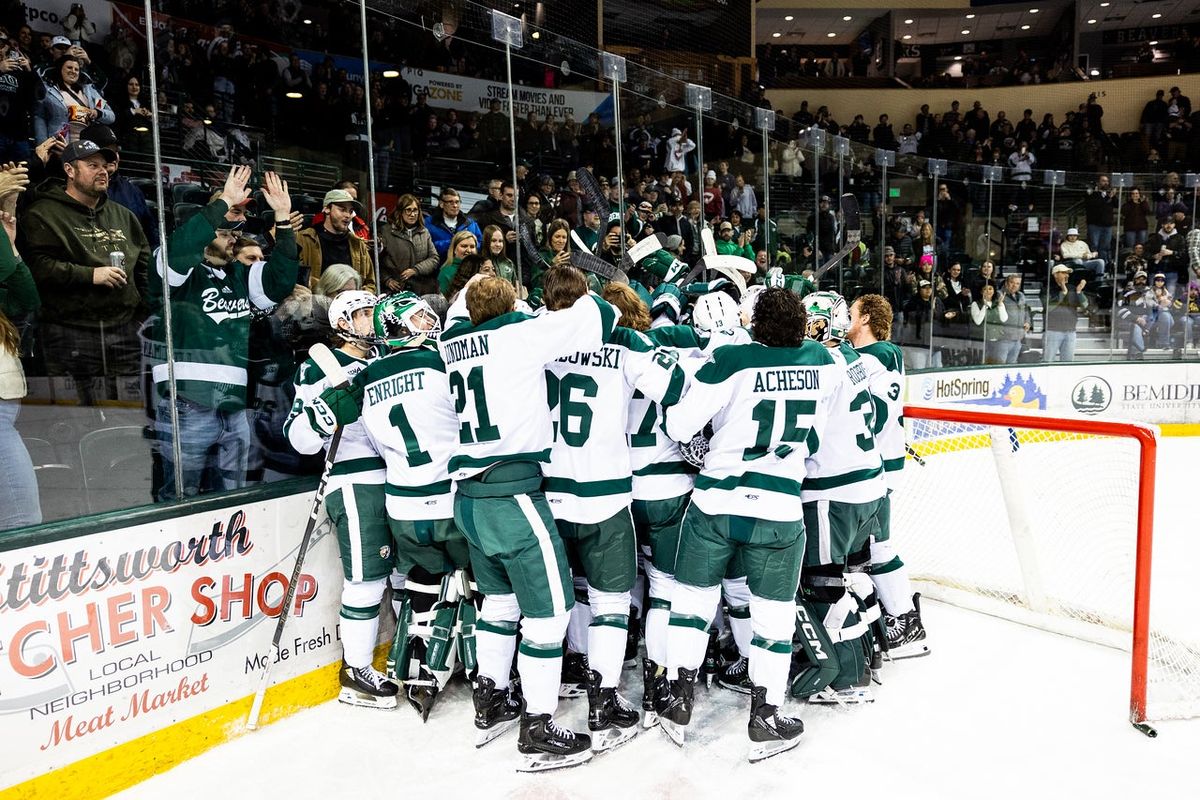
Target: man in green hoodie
212 298
88 256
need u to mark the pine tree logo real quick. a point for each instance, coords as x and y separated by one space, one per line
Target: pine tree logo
1091 395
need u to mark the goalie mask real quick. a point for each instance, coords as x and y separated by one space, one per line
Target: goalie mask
405 320
342 310
828 316
715 311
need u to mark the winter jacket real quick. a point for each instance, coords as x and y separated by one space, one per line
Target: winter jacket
441 233
64 241
1063 307
410 248
309 242
51 113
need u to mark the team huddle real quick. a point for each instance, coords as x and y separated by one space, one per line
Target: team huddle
540 491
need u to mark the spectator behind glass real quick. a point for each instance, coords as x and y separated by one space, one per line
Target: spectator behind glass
461 246
133 116
213 296
19 503
1063 306
496 251
448 220
409 259
120 189
18 91
89 327
69 100
332 241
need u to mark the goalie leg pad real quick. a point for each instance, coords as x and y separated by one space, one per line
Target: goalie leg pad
815 665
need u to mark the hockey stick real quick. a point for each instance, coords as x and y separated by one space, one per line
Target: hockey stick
328 363
915 455
593 195
852 224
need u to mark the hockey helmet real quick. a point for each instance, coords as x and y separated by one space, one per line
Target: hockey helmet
749 299
828 316
715 311
405 320
342 309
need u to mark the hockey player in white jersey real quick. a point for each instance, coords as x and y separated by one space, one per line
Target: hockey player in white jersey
843 496
354 500
496 358
768 403
409 414
589 487
869 333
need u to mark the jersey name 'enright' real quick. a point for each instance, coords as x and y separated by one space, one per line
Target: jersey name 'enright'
408 382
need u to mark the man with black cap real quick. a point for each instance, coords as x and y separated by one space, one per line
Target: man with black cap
121 190
87 256
332 242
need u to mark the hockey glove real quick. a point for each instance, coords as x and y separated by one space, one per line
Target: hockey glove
344 405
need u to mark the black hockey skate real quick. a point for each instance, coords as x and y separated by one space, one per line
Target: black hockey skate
771 733
711 667
736 676
906 634
364 686
677 712
575 676
656 692
546 745
611 719
632 640
497 711
422 692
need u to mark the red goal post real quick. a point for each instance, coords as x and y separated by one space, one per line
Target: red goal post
946 429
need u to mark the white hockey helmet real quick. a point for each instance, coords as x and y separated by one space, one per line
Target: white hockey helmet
715 311
342 308
405 320
828 316
748 301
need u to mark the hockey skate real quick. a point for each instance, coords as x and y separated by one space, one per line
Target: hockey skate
906 634
771 733
632 640
736 676
364 686
677 713
422 692
854 695
575 676
497 711
656 692
712 659
546 745
611 720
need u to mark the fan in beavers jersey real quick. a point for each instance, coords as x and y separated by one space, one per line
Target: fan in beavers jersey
870 330
212 298
354 500
496 359
589 487
843 495
767 403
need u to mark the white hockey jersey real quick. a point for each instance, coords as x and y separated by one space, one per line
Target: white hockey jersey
356 460
885 368
497 378
768 407
409 415
847 466
589 478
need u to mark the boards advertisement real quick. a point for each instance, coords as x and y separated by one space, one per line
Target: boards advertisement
109 637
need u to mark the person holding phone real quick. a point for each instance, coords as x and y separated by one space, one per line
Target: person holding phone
69 99
17 96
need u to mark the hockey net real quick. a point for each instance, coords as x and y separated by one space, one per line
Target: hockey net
1049 521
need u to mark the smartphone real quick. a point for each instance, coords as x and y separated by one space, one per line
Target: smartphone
64 132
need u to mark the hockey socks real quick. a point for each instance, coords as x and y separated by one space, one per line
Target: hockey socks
360 620
737 599
539 662
692 610
774 622
890 576
607 634
496 637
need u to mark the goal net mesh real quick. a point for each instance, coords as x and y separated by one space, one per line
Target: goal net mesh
1041 527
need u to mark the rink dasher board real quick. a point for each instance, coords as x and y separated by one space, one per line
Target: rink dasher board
146 645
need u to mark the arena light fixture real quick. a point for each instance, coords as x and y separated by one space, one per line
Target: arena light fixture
966 32
776 35
1105 5
1024 27
290 96
970 16
1095 73
831 34
1033 10
958 58
907 36
1156 16
1091 22
908 22
308 22
1152 43
535 35
391 73
847 18
141 129
788 18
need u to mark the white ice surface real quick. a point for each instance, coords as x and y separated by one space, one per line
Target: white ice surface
998 710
